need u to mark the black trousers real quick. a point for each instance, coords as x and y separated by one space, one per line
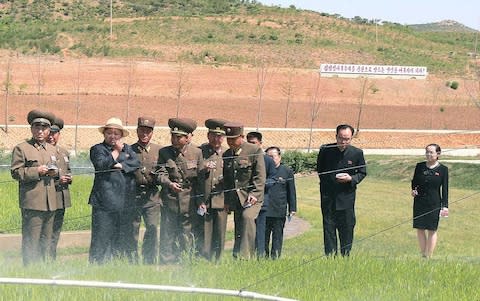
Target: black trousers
260 244
112 235
343 222
274 227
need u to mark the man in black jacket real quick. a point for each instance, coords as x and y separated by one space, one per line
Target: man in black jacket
341 167
283 202
113 195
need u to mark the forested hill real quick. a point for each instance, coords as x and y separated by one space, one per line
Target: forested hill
232 32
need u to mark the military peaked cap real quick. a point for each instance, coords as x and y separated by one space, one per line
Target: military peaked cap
57 125
37 116
182 126
233 129
148 122
215 126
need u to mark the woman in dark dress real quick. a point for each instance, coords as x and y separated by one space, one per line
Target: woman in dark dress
430 192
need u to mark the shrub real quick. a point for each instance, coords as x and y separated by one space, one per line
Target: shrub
300 162
452 85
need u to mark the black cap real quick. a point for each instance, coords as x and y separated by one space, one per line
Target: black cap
182 126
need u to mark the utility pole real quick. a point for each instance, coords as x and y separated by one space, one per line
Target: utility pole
111 20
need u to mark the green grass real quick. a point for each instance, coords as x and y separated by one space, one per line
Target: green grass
385 262
235 29
76 218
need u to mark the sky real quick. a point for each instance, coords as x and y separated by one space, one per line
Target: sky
403 12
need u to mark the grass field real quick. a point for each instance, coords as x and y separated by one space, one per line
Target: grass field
385 263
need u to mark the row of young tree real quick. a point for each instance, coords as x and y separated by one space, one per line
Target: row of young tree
264 71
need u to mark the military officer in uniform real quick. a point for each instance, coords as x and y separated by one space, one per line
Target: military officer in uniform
180 172
34 169
213 213
148 195
62 181
244 176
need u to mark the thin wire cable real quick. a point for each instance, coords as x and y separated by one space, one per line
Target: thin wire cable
279 273
133 206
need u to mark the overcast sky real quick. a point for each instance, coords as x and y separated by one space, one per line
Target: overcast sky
404 12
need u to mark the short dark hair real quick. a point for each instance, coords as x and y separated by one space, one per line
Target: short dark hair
273 148
344 127
257 135
438 150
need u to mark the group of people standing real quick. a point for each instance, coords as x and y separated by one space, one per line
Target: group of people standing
190 190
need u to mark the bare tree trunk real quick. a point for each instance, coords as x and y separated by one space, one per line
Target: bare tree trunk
76 84
315 110
288 91
182 88
39 78
362 97
131 82
262 74
8 83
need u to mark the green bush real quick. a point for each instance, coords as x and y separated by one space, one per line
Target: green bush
300 162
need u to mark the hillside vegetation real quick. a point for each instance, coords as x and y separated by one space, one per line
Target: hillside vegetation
225 32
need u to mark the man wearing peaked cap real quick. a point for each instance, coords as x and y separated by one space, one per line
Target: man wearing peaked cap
148 122
62 181
244 176
182 126
212 214
233 130
57 125
147 200
215 126
180 172
37 196
41 117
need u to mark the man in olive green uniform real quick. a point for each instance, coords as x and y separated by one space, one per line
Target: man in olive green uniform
244 175
147 195
62 180
33 167
213 213
180 171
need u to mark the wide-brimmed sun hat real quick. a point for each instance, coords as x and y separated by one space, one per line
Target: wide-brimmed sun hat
114 123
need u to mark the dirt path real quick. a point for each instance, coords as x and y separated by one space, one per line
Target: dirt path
81 239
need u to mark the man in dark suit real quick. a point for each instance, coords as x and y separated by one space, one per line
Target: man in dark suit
341 167
244 176
283 202
113 195
147 200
